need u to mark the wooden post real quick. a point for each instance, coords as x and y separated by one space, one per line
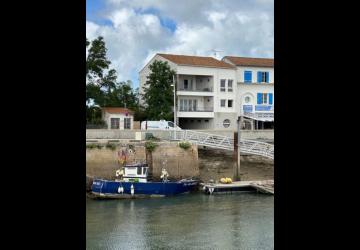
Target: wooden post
237 151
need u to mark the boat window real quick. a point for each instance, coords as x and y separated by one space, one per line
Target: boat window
171 124
144 171
139 170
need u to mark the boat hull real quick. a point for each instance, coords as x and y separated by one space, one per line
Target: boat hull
116 189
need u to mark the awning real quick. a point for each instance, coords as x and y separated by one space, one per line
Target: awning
264 117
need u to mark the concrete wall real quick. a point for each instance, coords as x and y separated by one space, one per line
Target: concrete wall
219 121
130 134
180 163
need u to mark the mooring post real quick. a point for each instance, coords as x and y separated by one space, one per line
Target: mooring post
237 150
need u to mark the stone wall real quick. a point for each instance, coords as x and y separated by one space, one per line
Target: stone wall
180 163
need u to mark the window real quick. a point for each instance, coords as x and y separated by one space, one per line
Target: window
230 103
265 98
199 121
263 76
127 123
247 99
139 170
248 76
206 120
222 103
222 85
226 123
186 84
230 85
181 104
115 123
171 124
188 105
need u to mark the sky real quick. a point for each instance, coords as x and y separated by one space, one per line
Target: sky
135 30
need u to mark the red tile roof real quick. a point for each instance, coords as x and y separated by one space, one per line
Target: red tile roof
116 110
196 61
248 61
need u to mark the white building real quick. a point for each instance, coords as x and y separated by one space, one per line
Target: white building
118 118
255 96
211 94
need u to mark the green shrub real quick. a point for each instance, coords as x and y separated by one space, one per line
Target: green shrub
184 144
111 146
99 146
90 146
150 146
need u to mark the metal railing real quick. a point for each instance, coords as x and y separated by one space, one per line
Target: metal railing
196 109
258 115
223 142
206 89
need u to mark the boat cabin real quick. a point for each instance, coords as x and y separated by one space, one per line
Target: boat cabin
136 173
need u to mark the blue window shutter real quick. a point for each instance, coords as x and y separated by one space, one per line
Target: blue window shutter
247 76
267 77
270 98
259 98
259 76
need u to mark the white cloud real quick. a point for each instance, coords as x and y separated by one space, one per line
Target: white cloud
243 28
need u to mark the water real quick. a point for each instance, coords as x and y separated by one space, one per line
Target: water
193 221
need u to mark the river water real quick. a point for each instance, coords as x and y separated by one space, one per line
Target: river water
193 221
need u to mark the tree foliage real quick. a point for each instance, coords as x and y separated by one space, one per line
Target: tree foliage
158 91
102 88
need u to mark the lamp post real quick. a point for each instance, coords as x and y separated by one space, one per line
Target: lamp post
174 107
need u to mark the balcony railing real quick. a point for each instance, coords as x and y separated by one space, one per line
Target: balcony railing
207 89
196 109
248 108
259 115
264 108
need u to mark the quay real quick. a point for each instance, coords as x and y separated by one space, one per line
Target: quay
266 187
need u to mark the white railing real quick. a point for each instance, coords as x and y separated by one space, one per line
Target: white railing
224 142
259 115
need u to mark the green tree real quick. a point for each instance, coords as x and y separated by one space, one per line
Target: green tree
96 61
102 88
158 92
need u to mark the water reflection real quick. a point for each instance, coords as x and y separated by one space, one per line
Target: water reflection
196 221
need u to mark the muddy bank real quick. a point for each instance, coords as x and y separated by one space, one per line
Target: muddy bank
215 164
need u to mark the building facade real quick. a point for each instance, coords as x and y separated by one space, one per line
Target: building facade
118 118
212 94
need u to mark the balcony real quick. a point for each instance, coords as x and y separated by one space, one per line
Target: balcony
197 112
196 109
260 116
269 108
193 85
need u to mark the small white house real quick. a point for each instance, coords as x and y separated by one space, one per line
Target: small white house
118 118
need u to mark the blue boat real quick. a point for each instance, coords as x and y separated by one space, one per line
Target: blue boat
134 184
